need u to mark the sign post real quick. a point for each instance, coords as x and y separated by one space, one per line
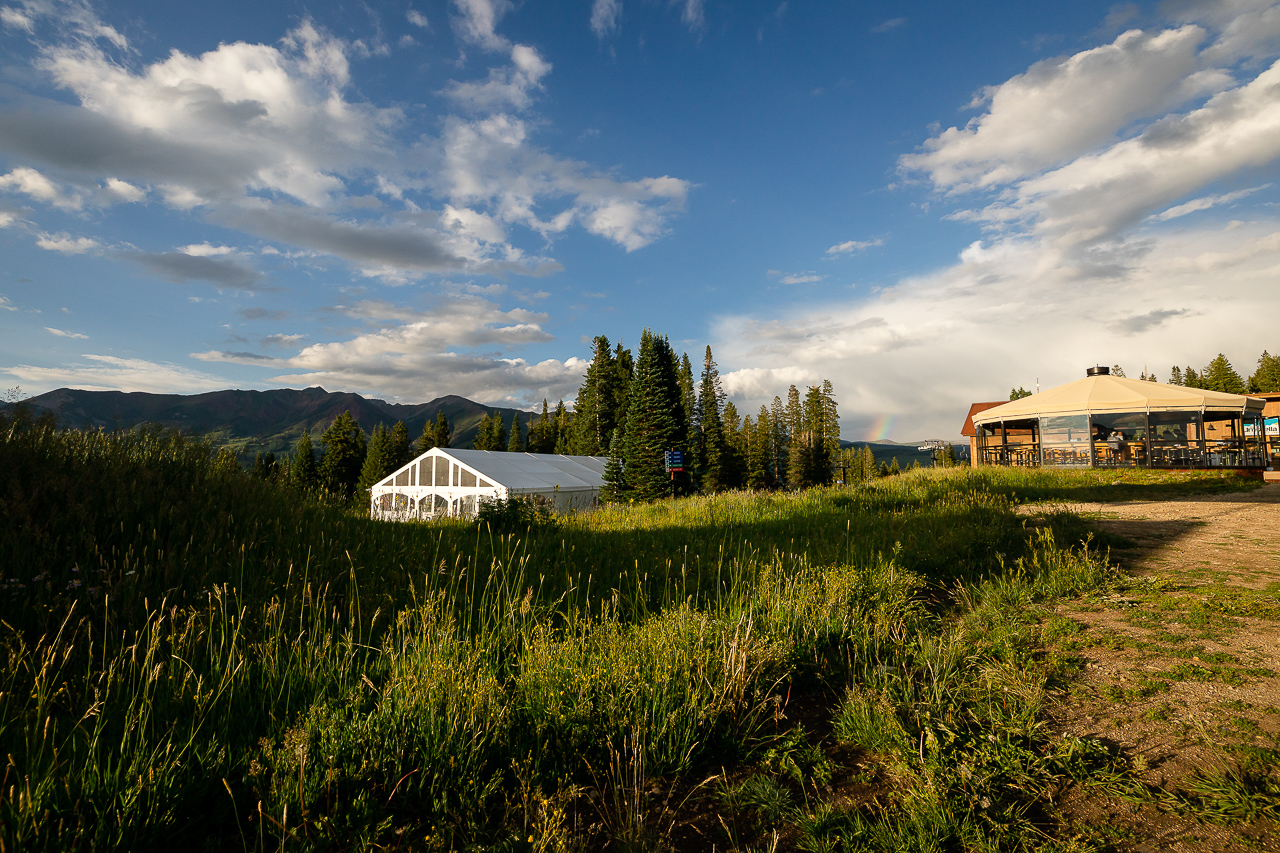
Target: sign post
675 463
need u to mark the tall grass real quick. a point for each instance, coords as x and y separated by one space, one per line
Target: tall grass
192 656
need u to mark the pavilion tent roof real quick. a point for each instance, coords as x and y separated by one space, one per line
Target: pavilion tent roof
1106 393
531 472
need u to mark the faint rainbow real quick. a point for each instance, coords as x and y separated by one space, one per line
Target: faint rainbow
881 427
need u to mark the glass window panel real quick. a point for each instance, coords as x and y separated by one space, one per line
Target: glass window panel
468 479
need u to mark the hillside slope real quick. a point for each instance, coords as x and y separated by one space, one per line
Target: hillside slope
252 421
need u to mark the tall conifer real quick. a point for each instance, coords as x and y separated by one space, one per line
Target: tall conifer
655 417
709 448
377 459
304 474
401 450
516 443
344 449
1266 379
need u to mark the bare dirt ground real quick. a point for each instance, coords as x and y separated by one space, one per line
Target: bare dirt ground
1181 672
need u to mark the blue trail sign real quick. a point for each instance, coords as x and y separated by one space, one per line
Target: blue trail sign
675 460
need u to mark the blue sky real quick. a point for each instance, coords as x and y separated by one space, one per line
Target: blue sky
924 202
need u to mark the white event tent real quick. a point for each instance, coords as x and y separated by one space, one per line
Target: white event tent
449 482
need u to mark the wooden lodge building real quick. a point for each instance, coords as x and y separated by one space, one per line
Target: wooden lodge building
1105 421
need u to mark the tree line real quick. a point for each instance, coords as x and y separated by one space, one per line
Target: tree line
1219 375
630 408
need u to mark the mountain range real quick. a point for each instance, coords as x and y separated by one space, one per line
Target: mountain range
260 421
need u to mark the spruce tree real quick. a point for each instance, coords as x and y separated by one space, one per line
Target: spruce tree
655 417
304 474
596 406
542 437
688 396
399 448
563 430
779 438
1221 376
614 486
830 421
735 447
1116 370
1266 379
377 459
1175 375
870 468
710 450
344 450
1190 378
624 368
516 443
759 451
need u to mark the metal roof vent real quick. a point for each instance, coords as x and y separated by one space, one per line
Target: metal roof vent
1098 371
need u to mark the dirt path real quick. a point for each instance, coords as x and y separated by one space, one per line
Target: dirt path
1182 670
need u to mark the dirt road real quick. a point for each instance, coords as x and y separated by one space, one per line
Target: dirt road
1181 670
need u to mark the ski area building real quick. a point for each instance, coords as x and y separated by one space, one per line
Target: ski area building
1105 421
448 482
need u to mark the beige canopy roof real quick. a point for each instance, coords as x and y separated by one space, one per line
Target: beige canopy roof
1105 393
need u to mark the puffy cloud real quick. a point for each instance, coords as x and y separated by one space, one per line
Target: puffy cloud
1061 108
927 347
605 15
416 18
66 244
37 186
477 20
268 139
111 373
510 87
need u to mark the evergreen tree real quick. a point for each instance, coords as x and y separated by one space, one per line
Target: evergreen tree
304 474
735 447
1175 375
377 459
542 435
1266 379
811 454
492 433
759 451
434 434
1018 393
778 439
830 421
795 446
870 467
344 450
516 443
655 418
264 465
563 430
400 450
688 397
894 468
1116 370
1221 376
709 446
1190 378
624 368
595 411
614 486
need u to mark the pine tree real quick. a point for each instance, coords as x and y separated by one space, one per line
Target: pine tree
688 397
434 434
778 440
1190 378
1175 375
595 411
830 421
1221 376
1116 370
399 447
735 447
870 467
563 429
264 465
1018 393
614 486
655 418
304 474
759 451
709 447
516 442
795 450
894 468
624 368
377 459
344 450
1266 379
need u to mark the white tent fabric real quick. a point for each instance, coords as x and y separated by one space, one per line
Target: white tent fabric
1105 393
444 481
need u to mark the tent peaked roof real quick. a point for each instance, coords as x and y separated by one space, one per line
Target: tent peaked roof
1106 393
523 472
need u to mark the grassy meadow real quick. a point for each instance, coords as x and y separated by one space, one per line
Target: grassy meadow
193 657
